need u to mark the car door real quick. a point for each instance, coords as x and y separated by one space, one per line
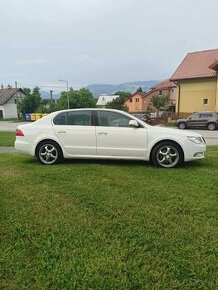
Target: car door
193 121
116 139
76 132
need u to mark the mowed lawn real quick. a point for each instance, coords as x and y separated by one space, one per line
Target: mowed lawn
108 225
7 138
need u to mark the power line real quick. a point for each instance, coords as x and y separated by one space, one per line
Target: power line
41 86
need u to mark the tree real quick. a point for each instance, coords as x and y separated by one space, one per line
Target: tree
123 95
30 103
139 90
118 103
77 99
160 103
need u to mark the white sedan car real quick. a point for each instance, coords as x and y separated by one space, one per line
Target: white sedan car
106 134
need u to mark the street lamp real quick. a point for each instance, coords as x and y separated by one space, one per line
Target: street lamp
68 101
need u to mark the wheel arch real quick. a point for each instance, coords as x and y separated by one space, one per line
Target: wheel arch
163 141
48 140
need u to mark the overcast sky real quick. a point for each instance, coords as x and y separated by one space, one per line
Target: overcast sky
101 41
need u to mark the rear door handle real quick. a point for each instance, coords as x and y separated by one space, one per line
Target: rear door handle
62 131
102 133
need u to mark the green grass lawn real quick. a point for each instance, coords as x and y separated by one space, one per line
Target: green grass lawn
108 225
7 138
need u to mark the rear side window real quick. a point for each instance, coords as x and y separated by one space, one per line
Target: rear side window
206 116
80 118
60 119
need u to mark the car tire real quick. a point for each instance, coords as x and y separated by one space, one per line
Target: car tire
167 155
211 126
182 125
49 153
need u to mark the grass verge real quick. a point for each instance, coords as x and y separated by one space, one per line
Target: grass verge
7 138
108 225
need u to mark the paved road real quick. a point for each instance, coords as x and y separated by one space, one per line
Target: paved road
10 126
211 137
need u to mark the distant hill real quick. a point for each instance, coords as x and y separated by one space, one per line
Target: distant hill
99 89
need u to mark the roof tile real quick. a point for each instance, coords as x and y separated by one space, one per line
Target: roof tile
196 65
6 94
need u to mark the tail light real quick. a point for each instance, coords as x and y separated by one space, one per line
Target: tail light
19 132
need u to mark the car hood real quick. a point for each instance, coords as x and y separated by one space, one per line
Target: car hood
172 132
181 120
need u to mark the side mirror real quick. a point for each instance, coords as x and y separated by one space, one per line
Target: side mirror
133 123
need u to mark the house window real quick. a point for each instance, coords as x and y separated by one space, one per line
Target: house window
137 100
160 92
205 101
15 101
130 100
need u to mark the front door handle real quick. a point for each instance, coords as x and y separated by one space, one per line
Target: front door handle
102 133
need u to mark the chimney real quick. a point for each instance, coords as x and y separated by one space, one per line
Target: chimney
9 87
2 87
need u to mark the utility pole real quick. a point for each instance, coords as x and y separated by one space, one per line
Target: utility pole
16 99
51 94
68 101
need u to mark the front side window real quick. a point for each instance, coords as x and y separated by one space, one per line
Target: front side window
112 119
194 116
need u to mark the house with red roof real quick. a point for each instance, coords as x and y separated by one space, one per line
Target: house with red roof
197 82
139 101
165 88
136 102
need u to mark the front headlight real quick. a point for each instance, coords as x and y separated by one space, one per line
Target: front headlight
197 140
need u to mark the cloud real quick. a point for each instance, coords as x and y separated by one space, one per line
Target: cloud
24 62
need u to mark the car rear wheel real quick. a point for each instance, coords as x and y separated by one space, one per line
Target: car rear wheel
182 126
167 154
211 126
49 153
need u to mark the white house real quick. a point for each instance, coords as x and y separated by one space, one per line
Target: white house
104 99
8 102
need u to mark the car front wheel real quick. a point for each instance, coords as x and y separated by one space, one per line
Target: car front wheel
48 153
167 154
181 126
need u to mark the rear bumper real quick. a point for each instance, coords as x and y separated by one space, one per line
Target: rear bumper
24 147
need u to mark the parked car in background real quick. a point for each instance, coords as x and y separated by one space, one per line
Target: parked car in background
144 117
106 134
205 120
